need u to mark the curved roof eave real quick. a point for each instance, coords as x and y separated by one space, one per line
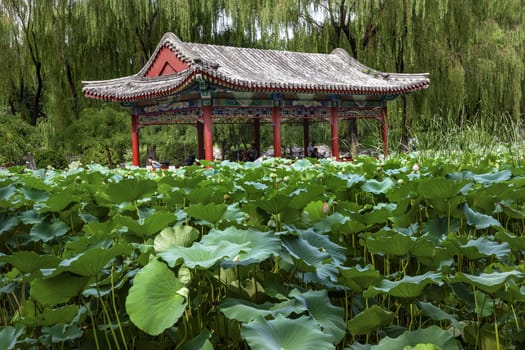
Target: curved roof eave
256 70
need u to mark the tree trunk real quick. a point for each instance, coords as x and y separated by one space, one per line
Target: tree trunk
110 159
403 147
73 90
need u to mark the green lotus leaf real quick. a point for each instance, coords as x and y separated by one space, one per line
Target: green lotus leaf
175 236
33 315
302 164
428 252
210 213
312 212
130 190
58 202
407 287
484 304
479 220
329 316
437 314
157 298
9 337
351 179
490 178
148 226
201 255
202 194
48 230
439 227
39 180
483 247
370 320
92 261
234 214
434 335
379 214
326 223
245 311
31 217
512 293
487 199
487 282
35 195
257 245
8 288
439 188
301 196
249 186
7 222
301 333
513 213
57 289
359 278
273 204
6 192
200 342
28 261
306 255
516 242
404 191
389 243
323 242
422 347
60 333
377 187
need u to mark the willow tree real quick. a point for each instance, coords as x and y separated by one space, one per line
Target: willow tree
473 49
25 73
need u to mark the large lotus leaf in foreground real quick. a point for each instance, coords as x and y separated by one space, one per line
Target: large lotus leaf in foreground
201 255
157 298
257 246
302 333
434 335
370 320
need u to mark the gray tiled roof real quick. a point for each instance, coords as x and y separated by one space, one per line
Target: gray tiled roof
248 69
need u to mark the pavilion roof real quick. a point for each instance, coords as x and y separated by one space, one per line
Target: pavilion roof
254 70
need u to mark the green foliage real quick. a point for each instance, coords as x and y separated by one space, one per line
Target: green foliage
52 158
100 135
473 51
157 299
18 139
385 254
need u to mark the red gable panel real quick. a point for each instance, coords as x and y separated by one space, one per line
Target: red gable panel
166 63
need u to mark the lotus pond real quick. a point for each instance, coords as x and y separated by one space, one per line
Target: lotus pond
403 253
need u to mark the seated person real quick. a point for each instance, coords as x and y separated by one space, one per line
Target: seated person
154 164
190 160
251 153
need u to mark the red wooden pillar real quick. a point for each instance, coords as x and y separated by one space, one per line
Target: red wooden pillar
384 130
207 132
200 140
135 157
335 132
276 122
257 134
306 136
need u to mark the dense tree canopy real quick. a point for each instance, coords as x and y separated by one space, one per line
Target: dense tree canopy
473 50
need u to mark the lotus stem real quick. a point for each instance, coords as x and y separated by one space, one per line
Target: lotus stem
116 311
108 320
